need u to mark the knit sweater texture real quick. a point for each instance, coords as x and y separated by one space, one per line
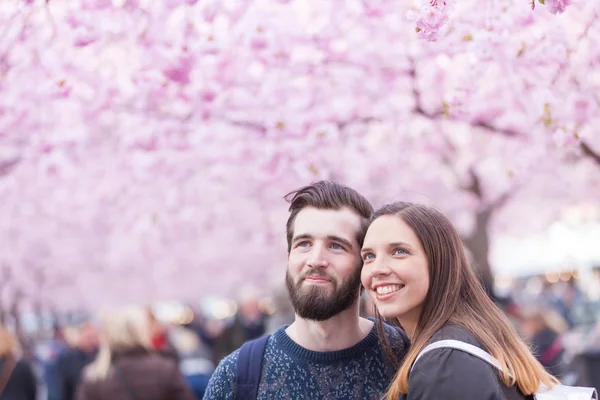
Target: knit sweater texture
290 371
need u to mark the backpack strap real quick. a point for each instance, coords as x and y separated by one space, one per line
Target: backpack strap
462 346
556 392
249 368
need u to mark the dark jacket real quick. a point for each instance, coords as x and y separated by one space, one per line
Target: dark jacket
456 375
70 366
549 351
21 384
150 377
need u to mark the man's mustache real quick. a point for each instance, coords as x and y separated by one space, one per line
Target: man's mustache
316 274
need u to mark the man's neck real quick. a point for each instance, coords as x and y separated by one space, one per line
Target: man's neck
337 333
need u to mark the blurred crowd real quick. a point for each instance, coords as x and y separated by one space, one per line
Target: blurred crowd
129 353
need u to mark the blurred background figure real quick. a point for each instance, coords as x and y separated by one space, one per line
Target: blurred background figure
128 367
566 298
284 311
367 308
49 353
207 332
249 323
196 359
160 341
17 380
84 343
543 327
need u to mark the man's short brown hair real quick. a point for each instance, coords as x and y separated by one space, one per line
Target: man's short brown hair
328 195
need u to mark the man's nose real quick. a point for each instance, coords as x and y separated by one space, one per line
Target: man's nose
318 257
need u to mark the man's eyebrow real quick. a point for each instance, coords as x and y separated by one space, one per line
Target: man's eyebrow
302 236
340 239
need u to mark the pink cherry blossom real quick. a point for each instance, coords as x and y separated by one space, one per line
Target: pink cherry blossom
145 146
557 6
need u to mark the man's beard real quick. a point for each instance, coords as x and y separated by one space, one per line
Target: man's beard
321 302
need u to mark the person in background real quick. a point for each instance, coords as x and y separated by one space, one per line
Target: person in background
249 323
543 328
160 337
284 310
195 359
49 353
17 380
367 308
127 367
207 332
72 362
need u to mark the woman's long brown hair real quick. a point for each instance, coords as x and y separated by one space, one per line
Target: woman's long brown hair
456 296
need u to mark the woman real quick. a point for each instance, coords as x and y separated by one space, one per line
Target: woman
416 271
17 381
126 366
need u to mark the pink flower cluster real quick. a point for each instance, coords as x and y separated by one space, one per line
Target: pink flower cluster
557 6
431 18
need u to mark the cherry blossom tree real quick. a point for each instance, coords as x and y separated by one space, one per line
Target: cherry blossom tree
145 146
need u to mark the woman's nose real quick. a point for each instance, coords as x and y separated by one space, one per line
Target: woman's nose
379 268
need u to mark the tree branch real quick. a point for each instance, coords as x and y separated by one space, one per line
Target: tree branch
8 165
589 152
263 129
442 114
246 124
475 186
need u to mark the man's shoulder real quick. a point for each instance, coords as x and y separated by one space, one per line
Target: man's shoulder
397 336
221 385
228 365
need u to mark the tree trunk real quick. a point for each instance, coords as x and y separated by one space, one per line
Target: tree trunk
16 315
478 244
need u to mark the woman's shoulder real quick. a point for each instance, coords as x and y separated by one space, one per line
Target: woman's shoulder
447 356
453 373
455 332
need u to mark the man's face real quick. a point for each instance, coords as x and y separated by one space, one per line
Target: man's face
323 276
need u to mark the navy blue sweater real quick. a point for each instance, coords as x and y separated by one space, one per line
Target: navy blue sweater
293 372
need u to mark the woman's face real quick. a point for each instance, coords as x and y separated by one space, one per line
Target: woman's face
395 271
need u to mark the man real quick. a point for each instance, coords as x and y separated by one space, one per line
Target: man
49 353
73 361
328 352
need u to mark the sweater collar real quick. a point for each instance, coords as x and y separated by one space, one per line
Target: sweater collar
283 341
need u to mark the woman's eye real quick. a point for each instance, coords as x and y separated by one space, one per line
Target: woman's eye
399 252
